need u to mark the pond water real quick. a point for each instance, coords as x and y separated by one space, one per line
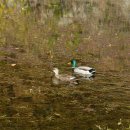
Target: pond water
29 100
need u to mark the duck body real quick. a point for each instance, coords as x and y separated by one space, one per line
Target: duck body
64 77
83 71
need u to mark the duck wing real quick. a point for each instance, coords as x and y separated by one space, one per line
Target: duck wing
85 68
66 77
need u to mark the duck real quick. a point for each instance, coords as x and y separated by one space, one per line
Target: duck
64 77
83 71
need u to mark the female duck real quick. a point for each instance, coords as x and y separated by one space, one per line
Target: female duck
83 71
64 77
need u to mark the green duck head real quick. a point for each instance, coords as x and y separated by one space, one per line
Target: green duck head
74 63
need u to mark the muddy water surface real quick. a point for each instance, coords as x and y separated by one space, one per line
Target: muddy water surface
29 100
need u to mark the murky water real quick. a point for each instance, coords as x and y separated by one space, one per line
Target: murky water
29 100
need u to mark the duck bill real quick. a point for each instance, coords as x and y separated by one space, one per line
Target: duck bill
69 63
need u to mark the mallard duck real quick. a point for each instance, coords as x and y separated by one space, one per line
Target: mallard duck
83 71
64 77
